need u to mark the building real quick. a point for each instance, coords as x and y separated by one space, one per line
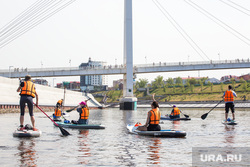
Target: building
246 77
212 80
72 85
93 82
40 81
118 84
228 78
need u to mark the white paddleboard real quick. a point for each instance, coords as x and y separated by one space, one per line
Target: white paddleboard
229 122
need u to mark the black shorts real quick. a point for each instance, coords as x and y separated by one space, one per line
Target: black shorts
229 105
29 100
154 127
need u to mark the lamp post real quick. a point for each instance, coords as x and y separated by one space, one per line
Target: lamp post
9 71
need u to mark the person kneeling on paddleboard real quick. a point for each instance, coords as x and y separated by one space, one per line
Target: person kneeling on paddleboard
83 113
58 113
175 113
153 119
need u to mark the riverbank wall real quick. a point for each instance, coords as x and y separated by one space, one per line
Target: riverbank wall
48 96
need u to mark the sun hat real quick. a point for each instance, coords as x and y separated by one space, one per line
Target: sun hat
82 103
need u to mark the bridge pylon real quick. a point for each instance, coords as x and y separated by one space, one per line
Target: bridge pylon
128 101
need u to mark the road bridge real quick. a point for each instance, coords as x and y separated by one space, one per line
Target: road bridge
121 69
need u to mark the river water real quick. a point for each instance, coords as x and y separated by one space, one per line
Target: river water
114 146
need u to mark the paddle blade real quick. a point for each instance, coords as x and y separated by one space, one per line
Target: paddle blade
69 110
63 131
204 116
187 116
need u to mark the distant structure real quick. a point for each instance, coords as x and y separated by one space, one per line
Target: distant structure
212 80
118 84
227 78
40 81
246 77
93 82
72 85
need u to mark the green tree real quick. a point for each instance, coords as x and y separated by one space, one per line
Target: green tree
142 83
221 86
201 83
244 85
192 81
211 86
233 82
178 81
158 82
182 88
170 81
242 80
203 79
192 88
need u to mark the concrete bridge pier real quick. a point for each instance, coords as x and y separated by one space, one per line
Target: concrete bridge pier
128 102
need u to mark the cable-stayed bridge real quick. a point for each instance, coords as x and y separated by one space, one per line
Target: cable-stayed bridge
121 69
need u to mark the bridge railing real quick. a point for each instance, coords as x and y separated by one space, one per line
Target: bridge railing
160 64
194 63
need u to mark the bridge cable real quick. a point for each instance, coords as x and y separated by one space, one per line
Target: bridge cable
219 22
13 21
21 21
239 5
29 25
234 7
24 22
178 28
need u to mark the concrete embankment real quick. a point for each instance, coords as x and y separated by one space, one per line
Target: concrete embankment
186 104
48 96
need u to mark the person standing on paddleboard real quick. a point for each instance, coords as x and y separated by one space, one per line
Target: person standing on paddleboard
229 101
27 92
153 118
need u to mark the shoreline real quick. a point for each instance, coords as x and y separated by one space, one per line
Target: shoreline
144 104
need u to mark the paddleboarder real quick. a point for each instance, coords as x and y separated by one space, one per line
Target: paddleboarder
83 113
27 92
229 102
58 113
60 103
153 118
175 112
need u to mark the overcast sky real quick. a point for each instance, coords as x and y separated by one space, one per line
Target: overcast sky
94 28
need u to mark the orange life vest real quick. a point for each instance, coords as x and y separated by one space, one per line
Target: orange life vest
155 116
85 113
58 112
28 88
229 96
176 111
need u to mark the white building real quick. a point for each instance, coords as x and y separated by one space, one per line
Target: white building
92 82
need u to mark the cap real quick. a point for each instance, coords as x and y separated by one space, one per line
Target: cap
174 105
82 103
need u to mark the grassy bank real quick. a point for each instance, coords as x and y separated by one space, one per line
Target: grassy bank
192 93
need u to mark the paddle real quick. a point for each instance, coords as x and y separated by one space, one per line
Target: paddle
75 107
187 116
64 132
204 116
71 109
